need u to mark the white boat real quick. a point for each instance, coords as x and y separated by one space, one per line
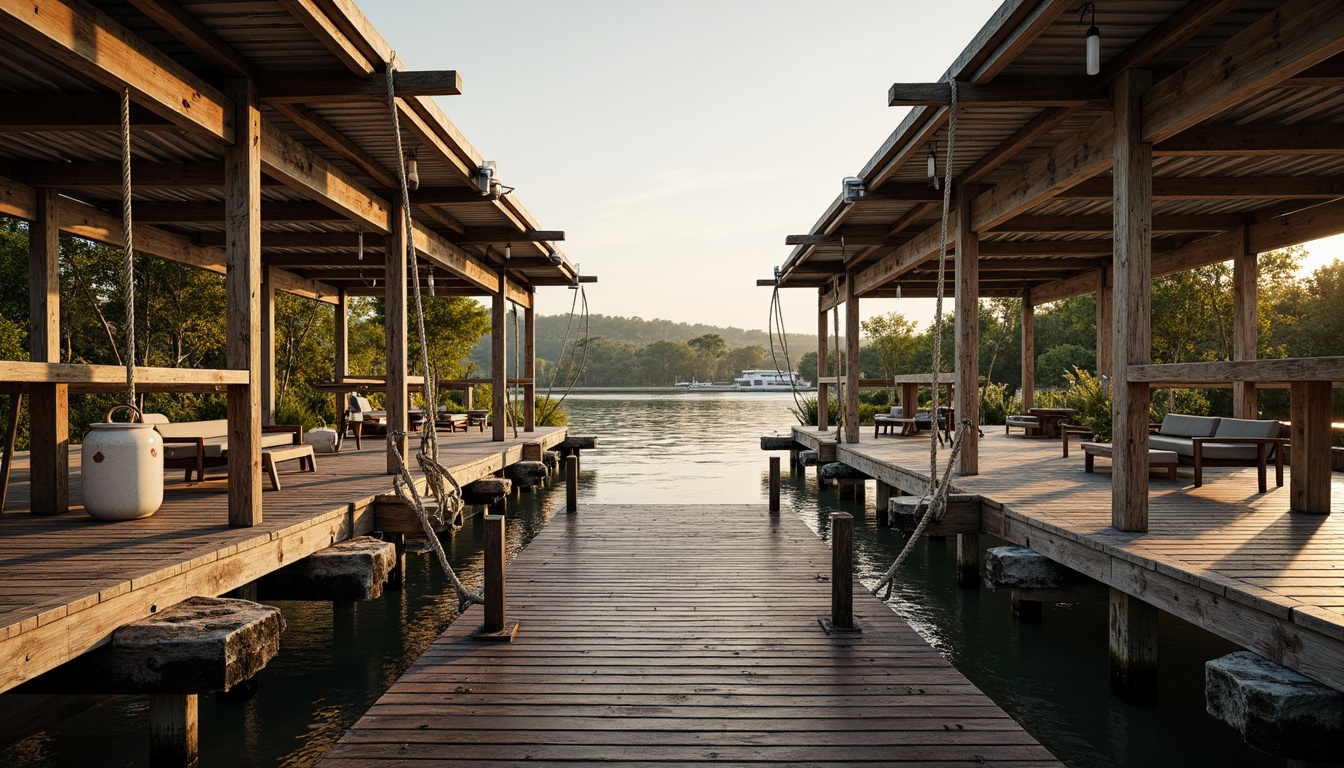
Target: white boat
762 380
704 386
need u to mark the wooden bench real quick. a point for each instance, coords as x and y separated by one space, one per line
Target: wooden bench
1030 425
1157 459
1068 430
882 424
272 456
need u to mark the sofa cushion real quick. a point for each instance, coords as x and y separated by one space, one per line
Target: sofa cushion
1247 428
1180 445
895 412
213 428
1180 425
1228 452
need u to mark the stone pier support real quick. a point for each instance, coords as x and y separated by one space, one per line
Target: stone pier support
1035 580
526 475
342 573
884 494
1277 710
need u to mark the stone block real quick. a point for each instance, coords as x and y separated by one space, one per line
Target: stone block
551 459
346 571
961 516
577 443
807 458
837 470
1021 568
487 490
777 443
1277 710
527 474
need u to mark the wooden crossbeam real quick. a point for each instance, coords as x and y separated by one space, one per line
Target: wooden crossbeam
372 241
21 113
144 175
1231 371
1013 91
155 212
325 132
894 192
505 235
1102 224
903 259
1221 187
448 196
197 36
1215 140
326 86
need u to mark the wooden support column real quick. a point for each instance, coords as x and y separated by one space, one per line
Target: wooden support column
1309 482
173 731
242 288
397 271
1028 352
967 395
1105 326
1133 649
1131 337
1245 324
823 341
968 560
267 347
499 362
48 407
851 387
341 365
884 494
530 366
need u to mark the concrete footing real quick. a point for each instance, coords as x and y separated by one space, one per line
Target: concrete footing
527 475
346 571
486 491
1277 710
777 443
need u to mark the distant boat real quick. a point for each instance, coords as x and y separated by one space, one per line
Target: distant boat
763 380
704 386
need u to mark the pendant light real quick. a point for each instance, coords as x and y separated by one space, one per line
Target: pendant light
932 163
412 170
1093 38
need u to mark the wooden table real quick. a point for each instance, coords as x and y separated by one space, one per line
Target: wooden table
1160 459
272 456
1050 419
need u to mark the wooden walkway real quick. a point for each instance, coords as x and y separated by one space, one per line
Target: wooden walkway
1224 557
661 635
67 581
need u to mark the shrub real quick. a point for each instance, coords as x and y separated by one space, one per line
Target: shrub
806 411
995 404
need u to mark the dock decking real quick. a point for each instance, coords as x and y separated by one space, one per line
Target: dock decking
1225 557
67 581
655 635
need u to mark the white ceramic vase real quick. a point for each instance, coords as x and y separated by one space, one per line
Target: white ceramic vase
122 469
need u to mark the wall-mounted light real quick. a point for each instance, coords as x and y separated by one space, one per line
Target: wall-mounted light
431 281
1093 38
554 256
485 178
412 170
852 189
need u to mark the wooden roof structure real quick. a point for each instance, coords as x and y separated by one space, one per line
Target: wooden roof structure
1245 114
330 167
1212 131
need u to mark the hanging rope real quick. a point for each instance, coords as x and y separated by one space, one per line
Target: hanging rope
128 262
776 320
938 489
839 388
516 413
572 380
439 480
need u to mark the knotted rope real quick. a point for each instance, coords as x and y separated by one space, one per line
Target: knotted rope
439 480
128 262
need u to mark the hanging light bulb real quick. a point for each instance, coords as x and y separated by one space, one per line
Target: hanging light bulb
933 162
1093 38
360 231
508 250
412 170
431 281
898 290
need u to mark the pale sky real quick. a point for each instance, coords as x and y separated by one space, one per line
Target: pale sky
676 143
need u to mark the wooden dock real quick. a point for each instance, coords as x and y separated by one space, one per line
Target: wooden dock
653 635
66 582
1233 561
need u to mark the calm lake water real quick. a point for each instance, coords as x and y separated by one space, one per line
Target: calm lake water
703 448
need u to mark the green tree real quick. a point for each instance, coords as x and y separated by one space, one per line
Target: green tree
895 340
1057 363
709 350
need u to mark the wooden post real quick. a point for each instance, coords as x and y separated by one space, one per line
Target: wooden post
1028 352
242 288
1105 326
1133 649
1131 338
493 551
1309 481
267 346
823 365
396 578
774 483
967 393
396 332
883 503
572 483
968 560
499 362
851 387
1026 611
173 730
1245 324
49 404
842 570
530 366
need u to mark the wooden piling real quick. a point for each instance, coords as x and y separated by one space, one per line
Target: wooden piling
396 578
884 493
572 483
172 731
968 560
842 570
1026 611
1133 649
494 573
774 483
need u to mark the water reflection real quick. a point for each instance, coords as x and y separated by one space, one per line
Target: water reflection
703 448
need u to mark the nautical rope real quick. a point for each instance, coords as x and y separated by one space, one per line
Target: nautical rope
938 489
438 478
776 320
573 380
128 262
839 390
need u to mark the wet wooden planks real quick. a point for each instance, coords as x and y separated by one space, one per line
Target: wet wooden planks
666 635
1224 556
66 581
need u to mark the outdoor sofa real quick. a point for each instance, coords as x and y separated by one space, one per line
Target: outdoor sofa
196 445
1208 441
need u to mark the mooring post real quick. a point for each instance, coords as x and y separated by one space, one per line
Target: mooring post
172 731
968 560
774 483
572 483
842 570
884 494
1133 649
494 574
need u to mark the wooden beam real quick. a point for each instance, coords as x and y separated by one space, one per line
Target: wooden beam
330 35
1245 323
1170 223
449 196
494 235
242 286
48 405
1309 484
902 260
329 135
98 47
156 212
1326 369
1002 91
106 376
1105 320
1132 331
267 322
967 403
1289 39
328 87
197 36
107 175
1254 140
446 255
1297 227
851 388
23 113
305 172
341 345
1059 248
499 361
1220 188
892 192
396 273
